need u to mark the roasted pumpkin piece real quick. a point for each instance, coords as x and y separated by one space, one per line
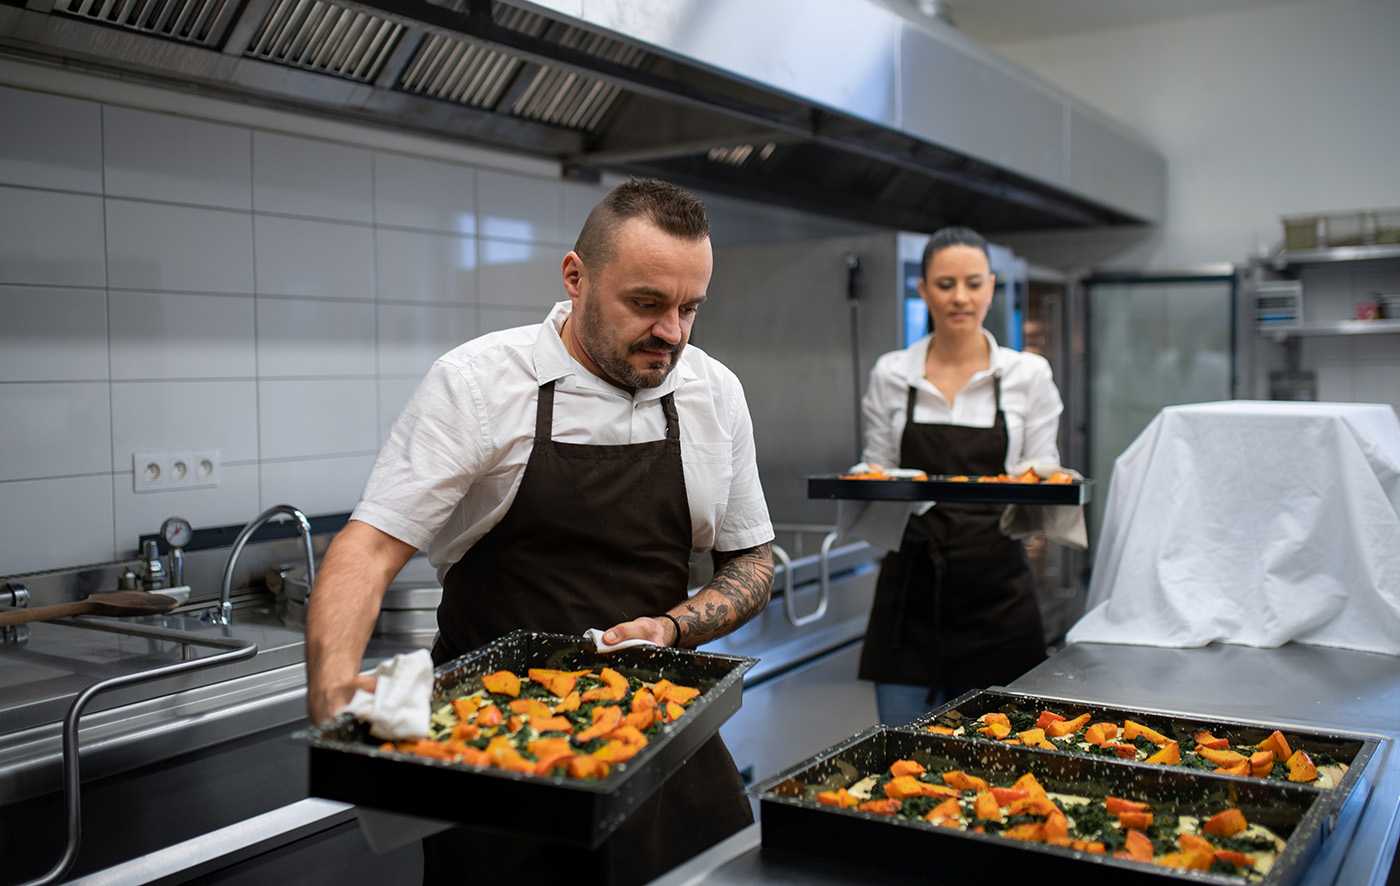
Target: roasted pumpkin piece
1061 728
1137 845
640 719
1028 477
1093 846
615 751
1033 832
569 703
502 683
879 807
903 787
1205 739
1099 733
530 707
1261 763
1046 718
606 718
465 708
1168 754
1229 856
1301 768
552 724
1118 805
475 757
559 683
1032 736
544 747
670 712
1060 478
587 766
546 765
681 695
1132 730
426 747
1190 860
489 716
841 799
1221 758
470 732
1056 826
1192 842
1041 805
947 812
939 730
1126 751
643 700
906 767
1237 769
995 730
1278 745
962 781
995 717
1029 784
1007 796
508 758
628 733
1225 824
985 807
1138 820
614 687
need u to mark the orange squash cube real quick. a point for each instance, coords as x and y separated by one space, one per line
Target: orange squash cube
1225 824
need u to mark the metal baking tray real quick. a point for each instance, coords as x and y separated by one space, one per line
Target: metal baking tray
1352 749
941 489
347 765
793 823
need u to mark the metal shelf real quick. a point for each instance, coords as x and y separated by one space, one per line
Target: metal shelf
1344 327
1374 252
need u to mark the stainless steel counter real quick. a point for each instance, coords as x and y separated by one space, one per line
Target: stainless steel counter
1297 685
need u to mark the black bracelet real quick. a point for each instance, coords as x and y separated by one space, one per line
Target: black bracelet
673 621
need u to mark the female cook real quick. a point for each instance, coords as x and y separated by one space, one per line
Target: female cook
955 606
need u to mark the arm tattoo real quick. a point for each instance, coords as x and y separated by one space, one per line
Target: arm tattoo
739 591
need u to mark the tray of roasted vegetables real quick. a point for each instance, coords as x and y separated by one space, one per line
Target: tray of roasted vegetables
1272 752
876 484
538 734
922 803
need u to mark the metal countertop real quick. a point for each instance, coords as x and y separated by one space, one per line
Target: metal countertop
1294 685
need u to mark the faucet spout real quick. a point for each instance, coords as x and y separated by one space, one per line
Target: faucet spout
224 615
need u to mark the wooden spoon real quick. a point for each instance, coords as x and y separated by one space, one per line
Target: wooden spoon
113 603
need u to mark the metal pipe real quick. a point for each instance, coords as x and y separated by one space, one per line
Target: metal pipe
224 616
234 650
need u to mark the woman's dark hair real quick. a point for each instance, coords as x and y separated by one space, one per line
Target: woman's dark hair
945 237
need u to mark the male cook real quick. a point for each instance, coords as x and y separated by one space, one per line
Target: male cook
559 476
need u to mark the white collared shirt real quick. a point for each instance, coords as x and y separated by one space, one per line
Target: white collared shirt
455 457
1029 399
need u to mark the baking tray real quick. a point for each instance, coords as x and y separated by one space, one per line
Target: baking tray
941 489
1355 750
791 823
347 765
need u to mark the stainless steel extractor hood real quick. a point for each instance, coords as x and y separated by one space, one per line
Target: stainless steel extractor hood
846 109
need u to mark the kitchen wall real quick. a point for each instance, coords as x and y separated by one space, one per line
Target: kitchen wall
1279 109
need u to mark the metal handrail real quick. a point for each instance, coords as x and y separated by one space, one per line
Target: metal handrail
789 592
234 650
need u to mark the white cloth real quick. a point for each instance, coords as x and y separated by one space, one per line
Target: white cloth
401 704
595 636
1061 524
454 459
1256 524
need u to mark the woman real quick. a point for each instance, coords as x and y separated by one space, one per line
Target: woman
955 606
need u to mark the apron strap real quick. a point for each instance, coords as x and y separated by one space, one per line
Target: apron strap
909 405
544 414
673 421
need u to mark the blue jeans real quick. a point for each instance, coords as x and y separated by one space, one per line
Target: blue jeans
898 703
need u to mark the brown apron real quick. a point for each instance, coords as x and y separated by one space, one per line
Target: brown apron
955 606
597 535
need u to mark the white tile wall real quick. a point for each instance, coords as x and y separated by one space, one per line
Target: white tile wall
163 157
48 237
418 266
300 257
417 193
411 337
299 419
272 296
311 338
219 415
51 334
302 176
317 485
53 141
177 335
181 248
52 429
47 524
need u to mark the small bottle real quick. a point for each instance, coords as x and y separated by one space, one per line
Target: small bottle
155 569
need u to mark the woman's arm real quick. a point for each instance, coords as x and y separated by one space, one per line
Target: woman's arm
877 414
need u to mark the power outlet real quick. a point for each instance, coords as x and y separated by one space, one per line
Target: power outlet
168 470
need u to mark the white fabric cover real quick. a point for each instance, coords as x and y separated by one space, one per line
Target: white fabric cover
1254 523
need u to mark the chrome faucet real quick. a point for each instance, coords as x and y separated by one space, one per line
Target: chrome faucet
225 614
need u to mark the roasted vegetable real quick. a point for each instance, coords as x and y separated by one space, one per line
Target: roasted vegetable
1205 739
614 687
1261 763
1301 768
1061 728
1132 730
841 799
985 807
1225 824
906 767
1278 745
1138 846
1168 755
502 683
1221 758
1117 805
964 782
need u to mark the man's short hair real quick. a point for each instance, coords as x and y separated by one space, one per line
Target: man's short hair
670 207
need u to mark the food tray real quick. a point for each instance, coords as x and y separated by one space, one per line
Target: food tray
941 489
347 765
1353 750
791 823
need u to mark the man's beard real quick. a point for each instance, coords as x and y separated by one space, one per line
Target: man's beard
597 342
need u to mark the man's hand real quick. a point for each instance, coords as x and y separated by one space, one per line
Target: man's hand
327 702
654 630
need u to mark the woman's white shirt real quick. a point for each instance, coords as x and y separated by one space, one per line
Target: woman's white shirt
1029 399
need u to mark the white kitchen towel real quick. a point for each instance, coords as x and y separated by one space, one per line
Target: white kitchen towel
401 703
1061 524
595 636
879 524
1253 523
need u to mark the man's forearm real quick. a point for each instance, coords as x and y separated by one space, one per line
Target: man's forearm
740 589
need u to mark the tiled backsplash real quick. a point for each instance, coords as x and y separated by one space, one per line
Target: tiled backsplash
168 282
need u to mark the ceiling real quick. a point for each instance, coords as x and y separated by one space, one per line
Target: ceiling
1010 21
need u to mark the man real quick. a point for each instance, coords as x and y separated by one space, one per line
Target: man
559 477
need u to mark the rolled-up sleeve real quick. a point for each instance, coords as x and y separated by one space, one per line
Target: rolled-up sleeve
1043 408
746 522
878 409
436 448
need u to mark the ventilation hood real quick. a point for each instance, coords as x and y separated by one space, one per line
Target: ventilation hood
847 109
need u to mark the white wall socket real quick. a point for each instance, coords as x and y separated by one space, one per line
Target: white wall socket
168 470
